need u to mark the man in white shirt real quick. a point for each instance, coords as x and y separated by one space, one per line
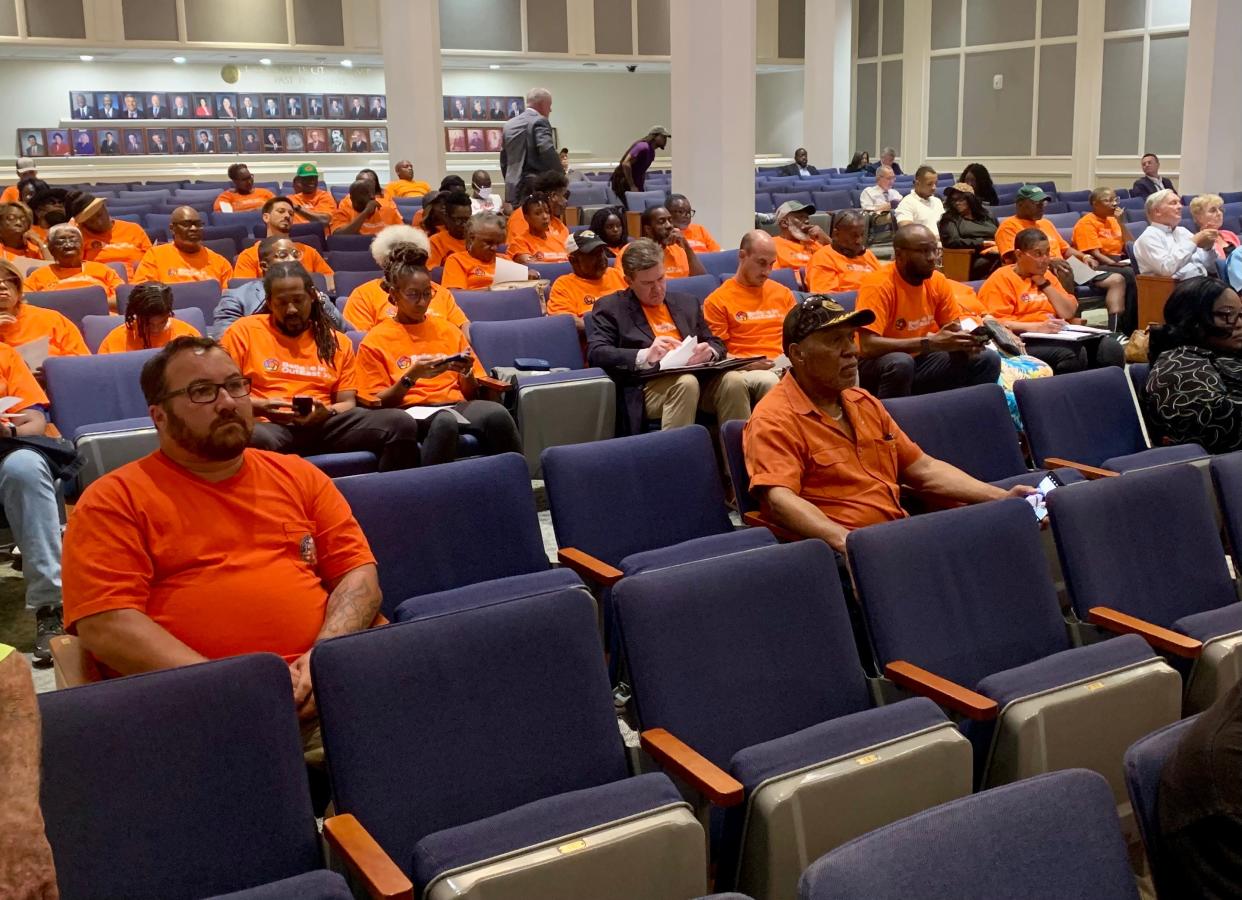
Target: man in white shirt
481 197
881 196
921 206
1166 248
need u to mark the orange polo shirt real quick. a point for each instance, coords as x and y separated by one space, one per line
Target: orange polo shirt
319 202
242 202
903 310
790 443
236 566
280 366
575 296
369 305
676 263
34 322
386 215
30 252
548 248
122 339
1093 233
699 238
1009 229
444 245
247 265
661 321
749 319
65 278
388 351
461 270
793 255
516 227
403 188
1014 298
125 242
166 263
831 272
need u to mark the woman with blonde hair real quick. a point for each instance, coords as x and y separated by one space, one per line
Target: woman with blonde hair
1208 211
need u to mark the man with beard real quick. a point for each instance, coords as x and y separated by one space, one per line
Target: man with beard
206 549
680 259
248 298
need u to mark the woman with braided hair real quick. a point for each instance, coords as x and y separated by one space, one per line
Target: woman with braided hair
149 321
370 303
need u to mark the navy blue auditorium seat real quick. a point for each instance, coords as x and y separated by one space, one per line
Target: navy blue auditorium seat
1144 763
203 295
74 304
350 243
719 262
499 306
351 260
96 328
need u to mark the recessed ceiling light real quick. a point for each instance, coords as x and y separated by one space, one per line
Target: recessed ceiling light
347 63
265 61
179 60
494 66
86 57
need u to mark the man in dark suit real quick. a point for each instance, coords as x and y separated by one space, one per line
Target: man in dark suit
108 108
799 165
631 331
247 108
180 109
529 149
378 109
1151 180
156 108
356 110
80 109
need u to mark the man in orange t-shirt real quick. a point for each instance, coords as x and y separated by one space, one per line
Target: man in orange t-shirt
698 237
825 457
680 260
538 243
278 217
206 549
451 238
106 239
746 311
374 212
311 203
1102 235
799 239
915 344
474 268
405 185
244 196
26 171
592 279
841 266
185 259
70 270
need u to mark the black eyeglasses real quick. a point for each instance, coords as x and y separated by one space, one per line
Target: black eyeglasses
208 391
1228 316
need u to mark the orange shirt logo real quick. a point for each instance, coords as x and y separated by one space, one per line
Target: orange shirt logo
309 554
270 365
758 315
477 271
903 325
403 362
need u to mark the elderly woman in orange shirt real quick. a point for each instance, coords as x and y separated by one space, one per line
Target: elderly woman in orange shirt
17 239
69 270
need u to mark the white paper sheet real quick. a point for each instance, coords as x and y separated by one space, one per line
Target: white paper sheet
34 352
1082 272
1068 337
680 356
508 270
418 413
1087 329
7 403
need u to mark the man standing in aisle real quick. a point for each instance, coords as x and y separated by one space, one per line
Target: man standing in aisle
529 148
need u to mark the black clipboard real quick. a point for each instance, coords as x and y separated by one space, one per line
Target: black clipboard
724 365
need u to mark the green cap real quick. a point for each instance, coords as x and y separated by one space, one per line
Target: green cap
1031 192
307 170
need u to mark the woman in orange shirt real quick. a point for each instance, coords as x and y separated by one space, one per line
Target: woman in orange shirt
537 244
149 321
474 268
70 271
16 237
609 224
416 361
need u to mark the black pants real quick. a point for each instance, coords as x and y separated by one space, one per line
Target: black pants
1066 358
388 433
900 374
489 422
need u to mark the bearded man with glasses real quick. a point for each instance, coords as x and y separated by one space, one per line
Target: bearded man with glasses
207 548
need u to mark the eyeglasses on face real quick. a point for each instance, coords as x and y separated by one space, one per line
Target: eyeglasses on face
208 391
1228 316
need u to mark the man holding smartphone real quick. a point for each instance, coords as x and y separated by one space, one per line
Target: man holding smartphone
302 379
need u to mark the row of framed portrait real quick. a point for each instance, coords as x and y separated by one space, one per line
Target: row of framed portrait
199 140
482 109
204 105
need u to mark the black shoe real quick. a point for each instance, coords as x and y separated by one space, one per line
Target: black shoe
49 623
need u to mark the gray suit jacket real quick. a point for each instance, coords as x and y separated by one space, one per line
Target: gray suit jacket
528 149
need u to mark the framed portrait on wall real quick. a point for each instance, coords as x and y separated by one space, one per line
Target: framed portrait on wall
295 140
455 140
335 106
133 143
250 141
204 140
273 140
377 107
358 142
474 140
83 142
58 142
249 106
179 107
316 140
226 106
456 109
82 105
157 105
493 138
204 106
157 141
336 140
293 105
379 140
357 107
107 105
514 106
226 140
496 109
314 106
31 142
478 109
271 106
108 141
182 141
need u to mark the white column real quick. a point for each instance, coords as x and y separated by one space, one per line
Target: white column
1211 130
1088 99
712 85
915 84
410 37
828 82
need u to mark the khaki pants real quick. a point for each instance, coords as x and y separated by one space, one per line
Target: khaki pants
675 399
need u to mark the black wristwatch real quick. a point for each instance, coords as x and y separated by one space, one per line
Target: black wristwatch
925 345
406 382
12 430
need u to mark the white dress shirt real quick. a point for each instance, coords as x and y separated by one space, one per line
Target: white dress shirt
874 199
914 209
1171 251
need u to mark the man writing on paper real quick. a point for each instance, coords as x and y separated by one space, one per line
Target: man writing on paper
633 330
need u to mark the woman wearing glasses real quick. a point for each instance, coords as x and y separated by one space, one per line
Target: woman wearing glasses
21 323
149 321
1195 388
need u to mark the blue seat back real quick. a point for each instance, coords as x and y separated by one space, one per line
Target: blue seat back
696 633
664 486
1086 417
476 712
351 260
348 282
1227 476
225 246
641 201
74 304
939 590
96 328
779 197
86 390
787 277
697 286
499 306
735 462
829 201
1053 835
552 270
247 219
719 262
1145 543
1144 763
200 295
970 428
221 737
472 521
350 242
554 338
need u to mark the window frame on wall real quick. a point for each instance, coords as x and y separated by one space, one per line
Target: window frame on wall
878 60
571 52
1034 44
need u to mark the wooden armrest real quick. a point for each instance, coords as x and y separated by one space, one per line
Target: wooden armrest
590 568
72 665
757 520
682 760
489 383
1160 638
955 263
366 859
1089 472
948 694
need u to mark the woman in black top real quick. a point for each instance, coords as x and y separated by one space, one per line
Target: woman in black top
1194 392
978 177
859 163
966 225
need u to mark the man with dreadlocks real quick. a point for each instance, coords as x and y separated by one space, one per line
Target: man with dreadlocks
248 298
149 321
302 379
